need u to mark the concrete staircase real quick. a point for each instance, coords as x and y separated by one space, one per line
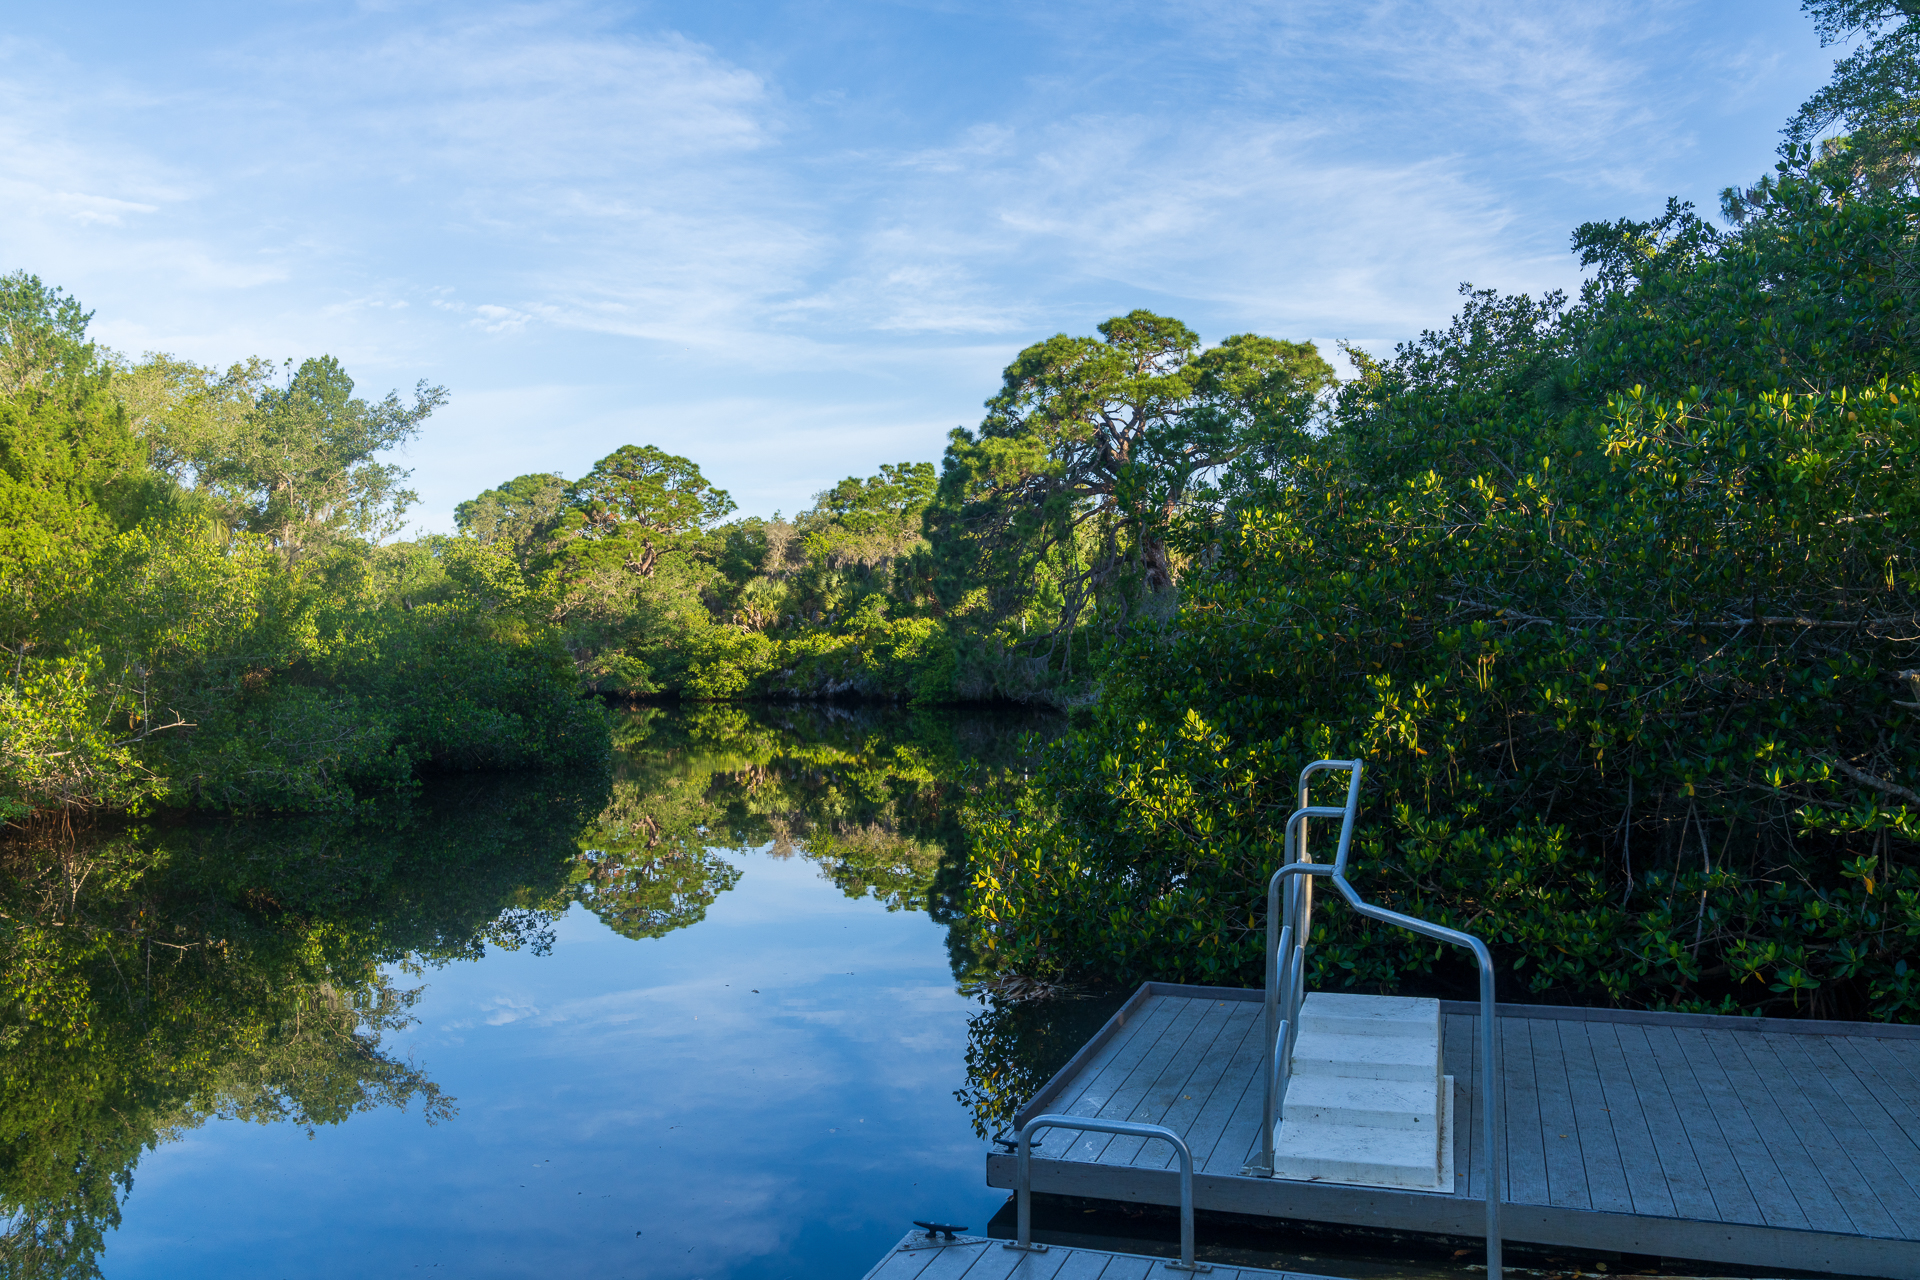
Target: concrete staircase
1369 1103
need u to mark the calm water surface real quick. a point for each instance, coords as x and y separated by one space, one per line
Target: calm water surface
768 1092
700 1019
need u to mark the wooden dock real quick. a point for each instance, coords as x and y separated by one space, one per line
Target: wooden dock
1746 1141
973 1258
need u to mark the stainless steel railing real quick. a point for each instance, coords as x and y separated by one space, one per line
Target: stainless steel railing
1289 926
1023 1179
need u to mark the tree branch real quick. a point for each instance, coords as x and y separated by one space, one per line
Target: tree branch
1868 780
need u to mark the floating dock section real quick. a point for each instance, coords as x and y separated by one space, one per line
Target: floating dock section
974 1258
1747 1141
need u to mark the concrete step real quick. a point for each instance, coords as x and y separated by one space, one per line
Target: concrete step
1366 1103
1364 1155
1351 1100
1336 1013
1375 1057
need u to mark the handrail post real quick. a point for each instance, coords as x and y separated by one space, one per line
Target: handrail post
1490 1055
1023 1184
1490 1074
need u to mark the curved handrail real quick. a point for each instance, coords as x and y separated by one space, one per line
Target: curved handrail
1288 926
1023 1180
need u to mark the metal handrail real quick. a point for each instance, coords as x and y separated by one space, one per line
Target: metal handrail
1023 1180
1288 927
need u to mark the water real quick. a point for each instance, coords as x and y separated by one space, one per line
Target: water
768 1093
703 1024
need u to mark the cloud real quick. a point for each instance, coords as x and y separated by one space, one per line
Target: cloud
506 1009
497 319
800 252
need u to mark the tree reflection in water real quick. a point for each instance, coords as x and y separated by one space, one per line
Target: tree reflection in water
869 793
155 976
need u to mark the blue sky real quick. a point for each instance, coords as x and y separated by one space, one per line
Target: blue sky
796 240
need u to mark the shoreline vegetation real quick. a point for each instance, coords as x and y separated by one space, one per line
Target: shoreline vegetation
202 605
1617 595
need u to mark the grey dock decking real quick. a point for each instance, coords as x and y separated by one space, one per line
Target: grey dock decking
975 1259
1758 1142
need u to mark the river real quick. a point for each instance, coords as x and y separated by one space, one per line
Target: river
712 1030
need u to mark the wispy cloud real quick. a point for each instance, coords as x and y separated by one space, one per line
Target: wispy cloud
782 240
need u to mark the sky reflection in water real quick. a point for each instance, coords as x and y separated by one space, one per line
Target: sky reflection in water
614 1087
730 1063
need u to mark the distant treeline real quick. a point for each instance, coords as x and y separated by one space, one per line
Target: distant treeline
201 604
996 575
195 608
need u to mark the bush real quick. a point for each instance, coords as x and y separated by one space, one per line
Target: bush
1626 664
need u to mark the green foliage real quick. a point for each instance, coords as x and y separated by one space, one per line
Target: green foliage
636 505
653 597
1616 602
1064 496
288 454
303 472
71 472
517 515
178 671
868 521
240 644
1872 96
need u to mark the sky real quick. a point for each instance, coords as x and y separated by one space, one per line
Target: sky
793 241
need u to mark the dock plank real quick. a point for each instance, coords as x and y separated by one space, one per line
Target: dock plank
1240 1074
1122 1266
1773 1198
1082 1265
1599 1150
1901 1101
1030 1266
1646 1180
1526 1156
1790 1156
1835 1163
902 1266
1459 1049
1206 1075
1560 1137
1116 1062
1131 1096
955 1261
1708 1155
989 1261
1861 1127
1680 1166
1131 1047
1893 1073
1170 1089
1906 1055
1240 1138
